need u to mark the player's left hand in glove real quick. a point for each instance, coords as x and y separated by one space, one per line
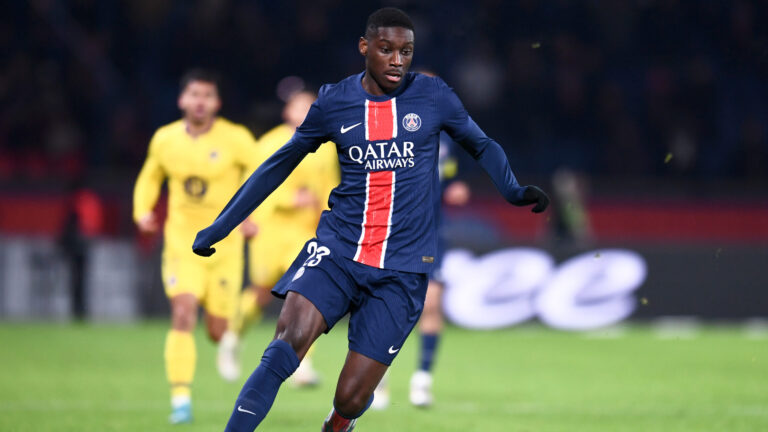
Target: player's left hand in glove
202 244
534 195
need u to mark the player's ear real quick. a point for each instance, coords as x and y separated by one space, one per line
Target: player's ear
218 100
362 46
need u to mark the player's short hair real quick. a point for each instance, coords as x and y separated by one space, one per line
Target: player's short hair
199 74
387 17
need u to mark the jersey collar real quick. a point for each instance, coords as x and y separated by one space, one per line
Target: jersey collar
399 90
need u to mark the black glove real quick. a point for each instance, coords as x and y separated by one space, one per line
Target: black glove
203 243
206 251
534 195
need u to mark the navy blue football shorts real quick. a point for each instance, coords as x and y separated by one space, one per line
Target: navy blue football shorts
384 305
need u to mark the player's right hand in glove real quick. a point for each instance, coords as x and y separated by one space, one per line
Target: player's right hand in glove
534 195
203 243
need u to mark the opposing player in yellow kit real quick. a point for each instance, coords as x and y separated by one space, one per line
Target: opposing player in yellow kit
204 158
285 221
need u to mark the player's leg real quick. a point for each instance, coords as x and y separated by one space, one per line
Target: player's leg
249 304
354 391
247 308
264 270
216 326
316 291
299 325
270 255
380 322
292 243
224 281
182 277
181 355
430 328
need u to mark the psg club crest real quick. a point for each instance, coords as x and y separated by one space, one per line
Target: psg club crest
411 122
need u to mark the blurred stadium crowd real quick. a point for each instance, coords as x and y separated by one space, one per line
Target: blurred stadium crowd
623 89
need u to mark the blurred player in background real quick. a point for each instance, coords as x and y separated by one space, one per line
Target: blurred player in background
570 218
204 158
455 193
284 223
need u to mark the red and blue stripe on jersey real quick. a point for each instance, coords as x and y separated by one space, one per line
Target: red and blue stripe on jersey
389 175
380 124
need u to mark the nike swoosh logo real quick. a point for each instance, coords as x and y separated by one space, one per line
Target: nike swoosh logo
392 350
347 129
240 408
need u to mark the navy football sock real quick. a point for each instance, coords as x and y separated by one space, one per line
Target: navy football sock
277 364
428 347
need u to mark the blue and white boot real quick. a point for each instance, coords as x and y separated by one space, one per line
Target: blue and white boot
181 411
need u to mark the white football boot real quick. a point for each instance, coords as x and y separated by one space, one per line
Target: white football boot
181 410
228 357
421 389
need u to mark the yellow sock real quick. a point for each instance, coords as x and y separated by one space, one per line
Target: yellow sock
180 391
246 311
180 358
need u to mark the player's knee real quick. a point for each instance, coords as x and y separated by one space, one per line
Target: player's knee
299 324
297 337
183 318
350 401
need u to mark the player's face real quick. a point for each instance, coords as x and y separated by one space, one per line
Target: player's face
297 107
199 101
388 55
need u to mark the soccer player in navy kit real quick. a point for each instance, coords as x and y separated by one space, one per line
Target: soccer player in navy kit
377 243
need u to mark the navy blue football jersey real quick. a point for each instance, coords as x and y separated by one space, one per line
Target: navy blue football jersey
385 211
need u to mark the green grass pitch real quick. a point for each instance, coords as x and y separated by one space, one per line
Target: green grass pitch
110 378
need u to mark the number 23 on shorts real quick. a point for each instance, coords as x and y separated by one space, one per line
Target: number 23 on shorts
316 254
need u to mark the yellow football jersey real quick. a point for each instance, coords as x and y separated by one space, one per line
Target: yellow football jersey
283 227
319 172
203 173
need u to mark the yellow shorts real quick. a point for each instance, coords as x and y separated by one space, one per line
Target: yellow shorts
216 281
272 251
